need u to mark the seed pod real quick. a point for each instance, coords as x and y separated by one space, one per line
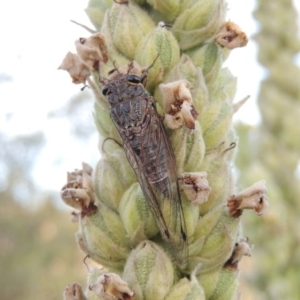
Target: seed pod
149 271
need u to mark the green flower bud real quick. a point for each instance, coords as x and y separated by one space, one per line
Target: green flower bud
114 54
168 8
217 230
116 265
224 88
104 124
186 289
136 216
112 177
216 123
104 236
219 284
159 41
221 186
209 59
217 165
149 271
96 10
186 69
199 22
191 215
189 148
128 25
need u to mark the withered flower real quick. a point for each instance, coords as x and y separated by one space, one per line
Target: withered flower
178 104
78 191
196 187
253 198
110 286
78 71
231 36
241 248
92 50
74 292
133 67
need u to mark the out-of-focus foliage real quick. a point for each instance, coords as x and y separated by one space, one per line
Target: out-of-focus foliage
37 245
272 151
37 255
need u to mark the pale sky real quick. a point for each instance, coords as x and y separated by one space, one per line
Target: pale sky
36 35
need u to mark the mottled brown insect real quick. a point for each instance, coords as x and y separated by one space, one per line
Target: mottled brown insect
148 150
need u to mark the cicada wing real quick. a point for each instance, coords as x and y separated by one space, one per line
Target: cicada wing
154 165
172 207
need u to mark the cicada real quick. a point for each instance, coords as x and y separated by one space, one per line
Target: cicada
148 151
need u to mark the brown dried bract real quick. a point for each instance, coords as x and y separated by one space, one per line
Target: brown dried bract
253 198
92 50
196 187
231 36
78 71
110 286
178 104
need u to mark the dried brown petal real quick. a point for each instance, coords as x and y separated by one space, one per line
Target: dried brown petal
253 198
92 50
231 36
133 68
74 292
178 104
78 191
110 286
196 187
242 248
78 71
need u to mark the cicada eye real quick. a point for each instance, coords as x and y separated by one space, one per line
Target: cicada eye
133 79
106 90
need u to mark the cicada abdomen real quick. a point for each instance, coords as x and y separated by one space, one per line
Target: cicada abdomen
149 152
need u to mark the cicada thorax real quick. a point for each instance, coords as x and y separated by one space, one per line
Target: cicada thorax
149 153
